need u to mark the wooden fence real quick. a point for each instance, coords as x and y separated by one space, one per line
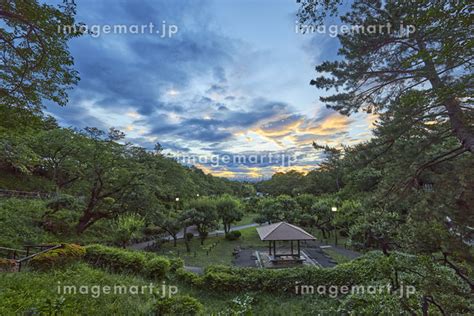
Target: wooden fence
22 256
24 194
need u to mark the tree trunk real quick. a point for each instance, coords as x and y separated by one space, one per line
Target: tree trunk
175 239
186 241
457 120
84 222
424 306
463 132
226 228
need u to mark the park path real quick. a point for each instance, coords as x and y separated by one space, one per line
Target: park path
190 229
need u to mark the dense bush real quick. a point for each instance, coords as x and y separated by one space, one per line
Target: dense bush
115 259
176 263
157 267
178 305
233 235
430 280
128 261
189 277
20 220
60 257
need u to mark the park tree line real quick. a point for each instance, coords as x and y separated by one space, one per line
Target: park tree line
98 174
412 182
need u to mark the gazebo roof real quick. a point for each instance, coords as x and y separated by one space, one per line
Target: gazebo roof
283 231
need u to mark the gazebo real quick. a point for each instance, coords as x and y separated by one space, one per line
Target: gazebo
283 231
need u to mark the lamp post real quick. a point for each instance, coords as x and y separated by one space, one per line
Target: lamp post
334 209
177 203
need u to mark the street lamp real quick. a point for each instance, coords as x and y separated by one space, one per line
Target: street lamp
334 209
197 194
177 199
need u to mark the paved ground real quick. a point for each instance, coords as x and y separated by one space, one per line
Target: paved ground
190 229
245 258
317 255
197 270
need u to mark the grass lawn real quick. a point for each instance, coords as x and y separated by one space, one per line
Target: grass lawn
37 293
216 250
329 240
248 218
336 256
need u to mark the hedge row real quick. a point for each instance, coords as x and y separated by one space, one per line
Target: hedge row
58 258
126 261
226 278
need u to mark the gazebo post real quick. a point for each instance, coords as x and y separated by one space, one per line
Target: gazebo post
299 255
270 247
291 243
274 248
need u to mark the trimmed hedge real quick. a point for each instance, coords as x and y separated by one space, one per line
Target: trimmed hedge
57 258
115 259
178 305
157 267
364 270
176 263
120 260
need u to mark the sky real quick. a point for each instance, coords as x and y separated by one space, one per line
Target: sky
228 91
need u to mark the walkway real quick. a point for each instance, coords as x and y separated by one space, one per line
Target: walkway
190 229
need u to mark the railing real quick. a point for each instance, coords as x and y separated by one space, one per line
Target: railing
25 194
16 254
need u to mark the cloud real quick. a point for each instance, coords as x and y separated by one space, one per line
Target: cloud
200 92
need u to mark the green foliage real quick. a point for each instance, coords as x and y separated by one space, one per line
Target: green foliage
38 64
40 293
128 261
58 258
233 235
281 208
21 223
202 213
229 210
176 263
116 260
158 267
127 227
182 305
240 305
282 183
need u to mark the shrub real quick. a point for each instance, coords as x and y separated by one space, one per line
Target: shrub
157 267
189 277
178 305
176 263
115 259
233 235
122 260
152 231
7 265
60 257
